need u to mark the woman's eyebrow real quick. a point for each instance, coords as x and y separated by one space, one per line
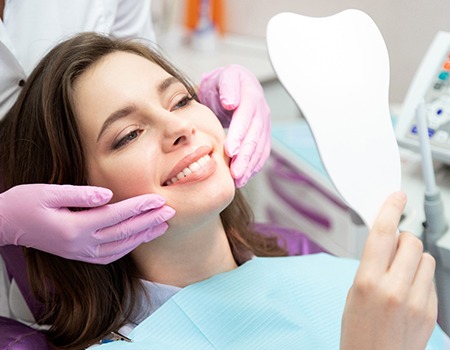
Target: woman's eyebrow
166 83
123 112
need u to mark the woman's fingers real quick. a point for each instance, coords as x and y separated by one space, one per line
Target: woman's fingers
407 259
424 277
392 303
381 240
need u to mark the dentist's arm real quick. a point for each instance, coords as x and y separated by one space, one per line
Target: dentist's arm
391 305
235 95
37 216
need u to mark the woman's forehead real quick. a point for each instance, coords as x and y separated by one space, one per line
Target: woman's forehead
119 80
123 64
119 74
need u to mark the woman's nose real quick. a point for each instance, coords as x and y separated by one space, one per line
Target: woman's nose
177 132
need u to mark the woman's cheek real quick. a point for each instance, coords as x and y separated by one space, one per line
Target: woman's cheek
125 179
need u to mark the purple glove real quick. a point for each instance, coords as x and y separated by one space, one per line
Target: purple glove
38 216
233 93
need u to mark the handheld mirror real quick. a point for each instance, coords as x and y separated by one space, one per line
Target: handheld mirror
337 71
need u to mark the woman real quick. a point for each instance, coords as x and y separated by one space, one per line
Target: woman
114 114
28 30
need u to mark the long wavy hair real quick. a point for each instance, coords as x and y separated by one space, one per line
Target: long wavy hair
40 143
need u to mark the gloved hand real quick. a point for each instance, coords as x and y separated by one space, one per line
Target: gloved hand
233 93
37 216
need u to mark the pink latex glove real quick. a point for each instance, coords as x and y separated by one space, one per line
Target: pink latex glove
37 216
233 93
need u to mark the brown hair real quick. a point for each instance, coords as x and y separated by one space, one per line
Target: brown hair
40 142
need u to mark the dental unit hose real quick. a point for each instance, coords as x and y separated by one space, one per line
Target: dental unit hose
435 222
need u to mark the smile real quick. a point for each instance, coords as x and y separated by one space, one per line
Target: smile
189 170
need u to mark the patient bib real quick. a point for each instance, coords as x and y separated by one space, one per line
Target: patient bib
267 303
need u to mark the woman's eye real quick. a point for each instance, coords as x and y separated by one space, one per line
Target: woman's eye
127 139
183 102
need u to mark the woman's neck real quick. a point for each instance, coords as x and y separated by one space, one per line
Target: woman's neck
183 258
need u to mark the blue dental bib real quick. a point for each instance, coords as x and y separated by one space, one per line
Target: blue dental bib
267 303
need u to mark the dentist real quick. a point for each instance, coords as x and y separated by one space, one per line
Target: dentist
39 215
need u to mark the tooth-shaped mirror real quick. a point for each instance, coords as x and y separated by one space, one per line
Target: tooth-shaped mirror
337 71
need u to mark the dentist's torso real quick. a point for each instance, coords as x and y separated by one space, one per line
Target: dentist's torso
30 28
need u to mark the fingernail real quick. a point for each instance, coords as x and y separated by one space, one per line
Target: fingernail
238 183
230 106
400 195
159 200
228 103
163 214
168 212
154 203
231 148
101 195
237 170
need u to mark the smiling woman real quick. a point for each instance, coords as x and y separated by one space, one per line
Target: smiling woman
116 114
146 132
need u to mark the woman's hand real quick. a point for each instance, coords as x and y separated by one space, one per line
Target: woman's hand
233 93
392 303
38 216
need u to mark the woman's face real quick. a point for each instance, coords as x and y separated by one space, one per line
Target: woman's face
143 134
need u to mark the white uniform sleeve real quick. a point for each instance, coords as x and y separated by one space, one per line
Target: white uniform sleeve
4 290
134 20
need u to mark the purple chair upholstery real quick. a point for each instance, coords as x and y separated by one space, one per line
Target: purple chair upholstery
17 336
16 268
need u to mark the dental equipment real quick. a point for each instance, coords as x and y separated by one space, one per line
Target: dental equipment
435 225
431 84
337 71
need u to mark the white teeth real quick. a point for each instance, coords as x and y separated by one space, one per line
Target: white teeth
192 168
187 171
202 161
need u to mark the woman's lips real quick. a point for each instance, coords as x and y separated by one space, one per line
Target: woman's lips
193 167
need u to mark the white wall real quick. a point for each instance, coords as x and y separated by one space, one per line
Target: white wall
407 26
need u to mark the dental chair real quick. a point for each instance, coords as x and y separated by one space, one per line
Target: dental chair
16 335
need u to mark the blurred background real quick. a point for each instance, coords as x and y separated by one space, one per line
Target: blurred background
408 27
293 188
